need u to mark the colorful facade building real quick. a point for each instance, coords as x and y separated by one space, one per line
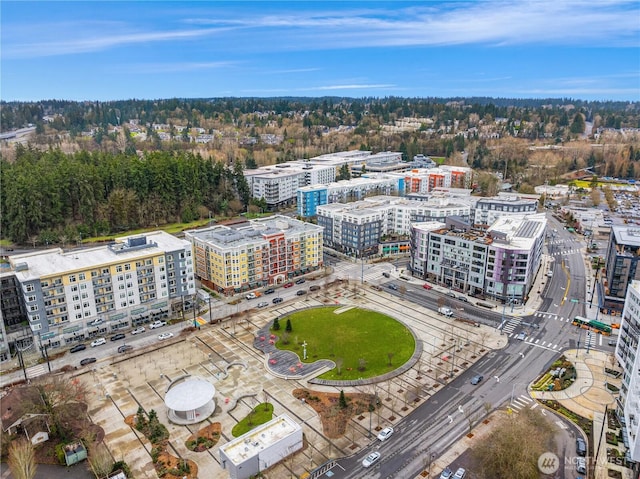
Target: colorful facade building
256 253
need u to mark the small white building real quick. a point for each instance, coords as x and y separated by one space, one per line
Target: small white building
261 448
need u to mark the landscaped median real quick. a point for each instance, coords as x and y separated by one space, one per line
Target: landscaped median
560 375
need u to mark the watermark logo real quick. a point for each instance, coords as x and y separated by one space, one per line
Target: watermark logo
548 463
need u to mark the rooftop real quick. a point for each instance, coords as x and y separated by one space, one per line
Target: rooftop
250 444
127 248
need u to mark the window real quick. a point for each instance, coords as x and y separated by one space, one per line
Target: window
119 268
30 288
81 276
72 278
31 299
127 267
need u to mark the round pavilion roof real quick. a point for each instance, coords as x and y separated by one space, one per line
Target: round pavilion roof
189 395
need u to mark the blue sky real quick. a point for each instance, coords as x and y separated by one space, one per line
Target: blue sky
153 49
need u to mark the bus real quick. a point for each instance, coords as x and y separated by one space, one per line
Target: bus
592 325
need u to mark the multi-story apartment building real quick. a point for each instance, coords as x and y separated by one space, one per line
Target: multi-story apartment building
310 197
357 228
72 295
14 326
628 356
256 253
500 262
425 180
278 184
621 266
488 210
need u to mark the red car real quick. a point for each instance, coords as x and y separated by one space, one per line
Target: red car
426 286
288 285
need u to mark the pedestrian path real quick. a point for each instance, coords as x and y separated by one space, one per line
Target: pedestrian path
511 325
521 402
566 252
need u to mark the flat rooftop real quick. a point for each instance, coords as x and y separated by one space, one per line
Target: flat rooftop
251 443
55 261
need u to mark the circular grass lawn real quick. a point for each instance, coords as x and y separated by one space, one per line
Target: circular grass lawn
366 342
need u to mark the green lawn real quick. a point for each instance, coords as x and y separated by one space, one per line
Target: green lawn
351 335
260 414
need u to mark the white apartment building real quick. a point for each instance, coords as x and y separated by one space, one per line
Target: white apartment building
83 293
355 228
500 262
488 210
628 356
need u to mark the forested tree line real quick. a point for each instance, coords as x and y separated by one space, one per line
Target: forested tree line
329 111
64 197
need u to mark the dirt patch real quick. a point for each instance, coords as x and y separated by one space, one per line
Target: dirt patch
169 466
205 438
335 418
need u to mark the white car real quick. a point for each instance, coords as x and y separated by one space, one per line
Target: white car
157 324
263 304
138 330
165 336
98 342
251 296
385 433
371 459
461 473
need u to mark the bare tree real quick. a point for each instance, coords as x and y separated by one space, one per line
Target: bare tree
100 460
339 363
390 357
22 463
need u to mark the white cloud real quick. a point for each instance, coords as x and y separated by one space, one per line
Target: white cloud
488 22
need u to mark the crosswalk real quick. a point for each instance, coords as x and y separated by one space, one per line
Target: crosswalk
35 371
566 252
521 402
510 326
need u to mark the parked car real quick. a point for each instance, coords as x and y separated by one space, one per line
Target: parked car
157 324
277 300
301 292
96 322
549 274
451 294
98 342
581 465
300 281
385 434
477 379
251 296
371 459
138 330
118 336
393 286
263 304
386 275
165 336
461 473
446 474
315 287
427 286
521 336
581 447
287 285
125 348
86 361
269 291
77 348
462 298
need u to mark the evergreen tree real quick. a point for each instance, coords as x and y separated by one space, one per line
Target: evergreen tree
288 328
343 400
276 324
